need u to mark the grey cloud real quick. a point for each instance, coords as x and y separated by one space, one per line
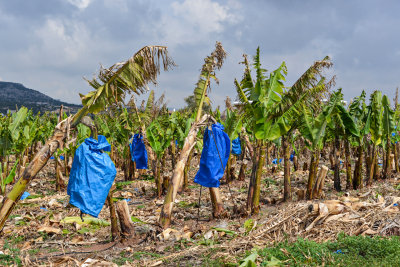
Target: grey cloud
50 45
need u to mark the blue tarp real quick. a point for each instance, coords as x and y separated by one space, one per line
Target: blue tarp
211 171
91 176
236 148
138 152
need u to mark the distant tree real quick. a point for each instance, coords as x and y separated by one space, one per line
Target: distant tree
191 104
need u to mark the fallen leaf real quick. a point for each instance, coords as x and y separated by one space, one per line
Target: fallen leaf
49 230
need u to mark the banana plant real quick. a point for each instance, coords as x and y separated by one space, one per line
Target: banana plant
159 135
314 128
376 129
388 128
7 179
395 138
361 114
270 110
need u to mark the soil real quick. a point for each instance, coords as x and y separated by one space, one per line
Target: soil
37 235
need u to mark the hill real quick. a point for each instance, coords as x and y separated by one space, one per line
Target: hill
15 94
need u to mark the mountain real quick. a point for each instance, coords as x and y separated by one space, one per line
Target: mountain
15 94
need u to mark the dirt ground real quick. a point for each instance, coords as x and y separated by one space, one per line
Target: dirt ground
37 234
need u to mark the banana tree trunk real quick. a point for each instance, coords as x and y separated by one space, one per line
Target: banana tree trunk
249 146
311 175
242 172
287 188
396 159
349 180
295 163
227 169
254 168
336 175
113 216
233 167
177 176
59 177
255 201
388 163
332 157
186 171
38 162
357 181
217 204
125 221
157 176
173 154
371 172
376 167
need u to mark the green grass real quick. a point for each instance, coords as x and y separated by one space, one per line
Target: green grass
12 257
184 204
346 251
121 185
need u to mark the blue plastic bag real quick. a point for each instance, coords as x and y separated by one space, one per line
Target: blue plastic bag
275 161
91 176
25 195
139 152
236 148
211 171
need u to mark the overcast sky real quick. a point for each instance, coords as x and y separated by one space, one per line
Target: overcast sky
49 45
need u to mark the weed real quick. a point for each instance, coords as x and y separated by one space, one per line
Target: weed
120 185
11 258
138 221
184 204
15 239
33 251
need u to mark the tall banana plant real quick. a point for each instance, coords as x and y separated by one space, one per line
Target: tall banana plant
388 128
159 135
270 110
362 116
110 87
376 129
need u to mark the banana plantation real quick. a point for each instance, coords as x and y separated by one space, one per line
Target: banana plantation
280 172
